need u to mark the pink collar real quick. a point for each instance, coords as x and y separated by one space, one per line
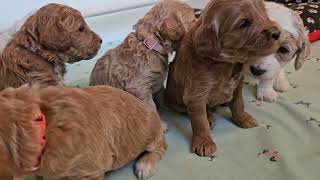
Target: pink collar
153 44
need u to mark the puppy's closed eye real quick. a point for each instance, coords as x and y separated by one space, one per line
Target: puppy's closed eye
283 50
244 23
81 29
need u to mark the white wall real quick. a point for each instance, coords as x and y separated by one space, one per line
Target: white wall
12 10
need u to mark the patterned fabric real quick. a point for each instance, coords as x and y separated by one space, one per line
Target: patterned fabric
309 12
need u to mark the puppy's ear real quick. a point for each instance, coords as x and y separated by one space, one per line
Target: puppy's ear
302 54
31 27
304 45
173 28
206 39
144 29
169 23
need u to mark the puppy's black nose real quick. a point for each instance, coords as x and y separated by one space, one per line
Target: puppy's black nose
275 35
100 41
257 71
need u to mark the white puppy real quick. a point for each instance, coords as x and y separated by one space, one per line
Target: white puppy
270 70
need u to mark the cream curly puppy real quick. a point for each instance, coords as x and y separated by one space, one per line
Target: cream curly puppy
269 71
139 65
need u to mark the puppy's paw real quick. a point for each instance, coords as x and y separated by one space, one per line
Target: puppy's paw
245 121
281 85
267 94
203 146
145 168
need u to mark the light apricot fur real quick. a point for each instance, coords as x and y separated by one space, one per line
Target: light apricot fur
89 131
132 66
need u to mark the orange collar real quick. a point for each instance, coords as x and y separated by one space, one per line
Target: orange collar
40 124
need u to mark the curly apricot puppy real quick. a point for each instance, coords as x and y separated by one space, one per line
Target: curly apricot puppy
60 132
54 35
208 68
139 64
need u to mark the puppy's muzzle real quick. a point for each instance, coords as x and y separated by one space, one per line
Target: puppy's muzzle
257 71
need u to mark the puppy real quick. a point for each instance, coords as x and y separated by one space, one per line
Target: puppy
208 68
139 64
270 70
56 34
61 132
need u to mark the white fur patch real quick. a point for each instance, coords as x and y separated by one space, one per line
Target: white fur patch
267 94
270 64
283 16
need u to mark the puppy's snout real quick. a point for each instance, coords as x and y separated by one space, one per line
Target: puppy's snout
257 71
275 35
100 41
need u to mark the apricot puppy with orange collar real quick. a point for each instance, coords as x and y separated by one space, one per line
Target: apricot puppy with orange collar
61 132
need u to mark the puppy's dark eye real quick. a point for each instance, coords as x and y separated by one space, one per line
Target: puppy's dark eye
244 23
283 50
81 29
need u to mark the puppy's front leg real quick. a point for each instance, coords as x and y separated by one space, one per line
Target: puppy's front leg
265 91
239 116
281 83
202 143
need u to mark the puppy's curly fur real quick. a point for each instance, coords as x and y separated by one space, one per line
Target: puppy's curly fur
270 70
208 68
89 131
56 34
132 66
